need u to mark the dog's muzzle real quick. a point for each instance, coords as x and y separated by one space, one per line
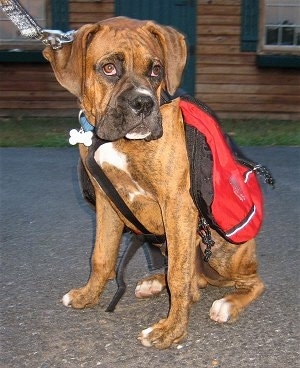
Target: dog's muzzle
133 114
142 107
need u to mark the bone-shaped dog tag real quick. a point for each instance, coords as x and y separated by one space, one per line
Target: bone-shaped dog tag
80 137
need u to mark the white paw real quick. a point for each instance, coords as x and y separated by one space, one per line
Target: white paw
66 300
144 337
220 311
148 288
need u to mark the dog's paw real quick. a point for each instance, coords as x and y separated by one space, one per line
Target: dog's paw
150 286
162 335
144 337
220 311
66 300
79 299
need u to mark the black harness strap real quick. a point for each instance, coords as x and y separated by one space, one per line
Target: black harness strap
133 244
114 196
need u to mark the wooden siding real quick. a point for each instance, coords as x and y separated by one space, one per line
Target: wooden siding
89 11
226 78
32 89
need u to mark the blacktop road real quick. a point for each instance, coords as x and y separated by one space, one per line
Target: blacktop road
46 240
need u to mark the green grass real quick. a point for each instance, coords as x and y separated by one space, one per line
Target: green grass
36 132
54 132
264 132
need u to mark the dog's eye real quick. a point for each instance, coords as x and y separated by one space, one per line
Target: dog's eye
156 71
109 69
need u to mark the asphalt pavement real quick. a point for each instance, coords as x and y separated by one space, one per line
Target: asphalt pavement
47 234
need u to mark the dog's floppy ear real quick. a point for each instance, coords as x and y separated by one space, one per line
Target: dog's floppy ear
175 54
68 63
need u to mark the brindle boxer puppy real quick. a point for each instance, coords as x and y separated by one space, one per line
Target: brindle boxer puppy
117 68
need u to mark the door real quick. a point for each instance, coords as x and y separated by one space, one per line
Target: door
181 14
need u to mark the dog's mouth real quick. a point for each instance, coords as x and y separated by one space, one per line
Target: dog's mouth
139 132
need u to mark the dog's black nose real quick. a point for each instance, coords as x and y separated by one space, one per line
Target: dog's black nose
142 105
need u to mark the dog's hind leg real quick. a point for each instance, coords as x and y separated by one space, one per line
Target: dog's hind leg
109 230
241 272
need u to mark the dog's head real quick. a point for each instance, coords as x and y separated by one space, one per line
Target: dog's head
117 68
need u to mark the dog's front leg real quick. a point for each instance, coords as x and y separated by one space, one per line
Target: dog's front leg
181 244
109 230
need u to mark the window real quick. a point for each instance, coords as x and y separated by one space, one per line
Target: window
271 29
280 26
51 14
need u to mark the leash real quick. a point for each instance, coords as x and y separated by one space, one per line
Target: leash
29 28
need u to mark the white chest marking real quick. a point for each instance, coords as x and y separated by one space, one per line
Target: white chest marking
107 153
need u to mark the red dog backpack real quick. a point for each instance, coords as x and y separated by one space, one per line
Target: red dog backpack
224 183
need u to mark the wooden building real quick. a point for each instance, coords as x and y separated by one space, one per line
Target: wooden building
244 58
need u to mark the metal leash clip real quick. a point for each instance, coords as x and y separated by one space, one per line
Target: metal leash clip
55 38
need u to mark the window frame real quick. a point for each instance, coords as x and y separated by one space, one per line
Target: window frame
59 15
263 48
250 39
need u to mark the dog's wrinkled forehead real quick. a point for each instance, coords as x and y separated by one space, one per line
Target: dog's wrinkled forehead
133 50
